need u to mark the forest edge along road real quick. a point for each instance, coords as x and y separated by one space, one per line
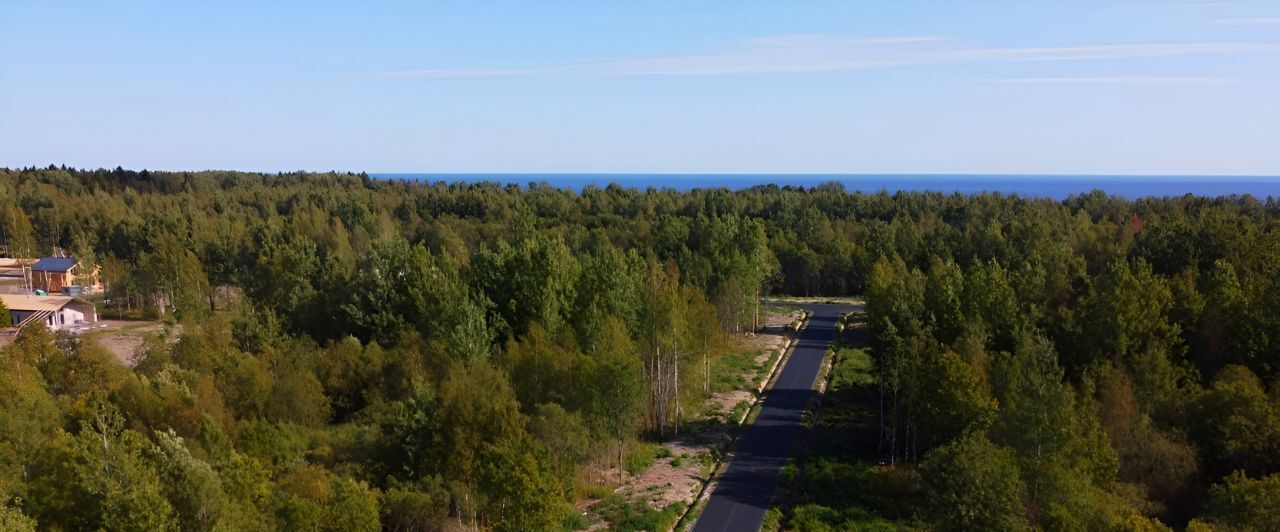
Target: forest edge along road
744 493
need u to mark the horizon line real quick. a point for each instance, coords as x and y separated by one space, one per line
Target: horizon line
663 173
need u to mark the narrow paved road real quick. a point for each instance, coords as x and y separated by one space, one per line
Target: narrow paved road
746 489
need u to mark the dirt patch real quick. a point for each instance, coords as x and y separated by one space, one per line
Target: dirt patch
125 339
125 348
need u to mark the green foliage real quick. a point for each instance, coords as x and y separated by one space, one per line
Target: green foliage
992 305
951 400
354 507
973 484
1161 461
20 238
1238 423
13 520
615 399
476 407
356 352
398 287
637 516
530 282
944 293
412 511
192 486
565 436
1242 503
521 494
817 518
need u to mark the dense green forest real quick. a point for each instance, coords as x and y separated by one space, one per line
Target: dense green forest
350 353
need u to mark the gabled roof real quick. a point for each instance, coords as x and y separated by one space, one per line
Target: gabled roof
54 264
26 303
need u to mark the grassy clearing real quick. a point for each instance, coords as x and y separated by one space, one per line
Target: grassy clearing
636 516
733 370
853 369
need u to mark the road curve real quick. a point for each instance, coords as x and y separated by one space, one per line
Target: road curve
745 490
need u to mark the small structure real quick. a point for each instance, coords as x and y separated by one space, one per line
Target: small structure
55 311
52 274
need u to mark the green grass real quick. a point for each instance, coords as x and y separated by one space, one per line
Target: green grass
815 517
640 456
631 516
731 370
853 369
594 490
575 521
772 520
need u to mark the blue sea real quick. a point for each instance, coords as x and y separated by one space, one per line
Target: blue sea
1047 186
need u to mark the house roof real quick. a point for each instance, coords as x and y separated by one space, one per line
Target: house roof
28 303
54 264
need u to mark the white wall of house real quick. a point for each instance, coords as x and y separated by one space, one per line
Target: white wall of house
67 317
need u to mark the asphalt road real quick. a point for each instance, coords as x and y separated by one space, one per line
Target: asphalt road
747 486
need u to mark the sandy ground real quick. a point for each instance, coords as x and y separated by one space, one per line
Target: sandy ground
125 338
664 484
122 338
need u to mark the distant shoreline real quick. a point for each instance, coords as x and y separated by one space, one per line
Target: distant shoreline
1030 185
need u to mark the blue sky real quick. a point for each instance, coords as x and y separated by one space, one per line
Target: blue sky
1100 87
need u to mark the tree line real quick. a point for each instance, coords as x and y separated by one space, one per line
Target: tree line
360 353
353 354
1094 364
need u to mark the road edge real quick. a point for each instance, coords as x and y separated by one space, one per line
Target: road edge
695 509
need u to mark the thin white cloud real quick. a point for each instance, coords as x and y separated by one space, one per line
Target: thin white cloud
811 54
1114 80
1247 21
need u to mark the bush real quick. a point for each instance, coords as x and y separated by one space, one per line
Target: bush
640 457
1242 503
973 484
629 516
814 518
575 521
